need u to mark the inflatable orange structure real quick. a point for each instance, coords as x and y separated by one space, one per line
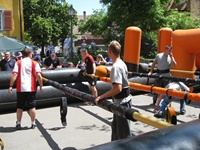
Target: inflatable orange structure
164 38
186 46
185 43
132 46
197 62
101 71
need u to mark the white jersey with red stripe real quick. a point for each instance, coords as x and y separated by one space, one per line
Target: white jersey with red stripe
26 69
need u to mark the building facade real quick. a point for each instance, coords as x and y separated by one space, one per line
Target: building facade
11 19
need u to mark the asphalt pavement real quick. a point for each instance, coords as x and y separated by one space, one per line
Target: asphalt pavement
87 126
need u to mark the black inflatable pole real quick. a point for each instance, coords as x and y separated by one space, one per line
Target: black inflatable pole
117 109
172 78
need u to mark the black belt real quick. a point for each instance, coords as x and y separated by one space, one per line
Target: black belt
163 71
124 93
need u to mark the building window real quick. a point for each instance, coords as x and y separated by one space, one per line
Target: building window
5 20
1 19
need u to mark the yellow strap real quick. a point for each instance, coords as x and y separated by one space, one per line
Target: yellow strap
1 144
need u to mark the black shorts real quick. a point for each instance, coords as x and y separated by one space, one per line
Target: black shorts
91 81
26 100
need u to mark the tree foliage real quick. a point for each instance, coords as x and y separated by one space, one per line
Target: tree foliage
94 24
46 20
149 16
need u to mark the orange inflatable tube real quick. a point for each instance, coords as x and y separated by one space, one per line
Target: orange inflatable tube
159 90
185 46
132 45
164 38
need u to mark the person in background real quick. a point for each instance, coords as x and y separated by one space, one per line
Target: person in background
84 44
70 64
39 60
7 64
81 64
52 62
18 56
90 68
26 71
67 45
108 60
180 86
35 54
100 60
120 92
93 44
50 48
164 63
2 55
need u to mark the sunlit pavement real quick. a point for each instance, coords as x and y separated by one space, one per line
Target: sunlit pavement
87 126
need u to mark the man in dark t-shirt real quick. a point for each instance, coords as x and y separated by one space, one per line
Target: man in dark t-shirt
52 61
7 64
90 68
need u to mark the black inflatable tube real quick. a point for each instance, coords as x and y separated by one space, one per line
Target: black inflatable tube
180 137
49 95
61 75
51 92
65 76
11 106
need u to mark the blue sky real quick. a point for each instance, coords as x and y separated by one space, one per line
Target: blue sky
85 5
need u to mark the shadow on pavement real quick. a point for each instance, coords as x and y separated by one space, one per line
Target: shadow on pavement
47 136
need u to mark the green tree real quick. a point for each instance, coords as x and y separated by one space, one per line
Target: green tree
149 16
94 24
46 20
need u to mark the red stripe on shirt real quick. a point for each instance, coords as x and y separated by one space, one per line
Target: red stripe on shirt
19 62
33 77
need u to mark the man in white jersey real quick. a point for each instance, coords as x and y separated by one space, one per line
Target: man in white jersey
25 72
120 92
164 63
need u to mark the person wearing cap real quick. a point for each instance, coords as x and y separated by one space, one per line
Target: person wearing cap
18 55
90 68
164 62
35 55
52 61
39 60
7 64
